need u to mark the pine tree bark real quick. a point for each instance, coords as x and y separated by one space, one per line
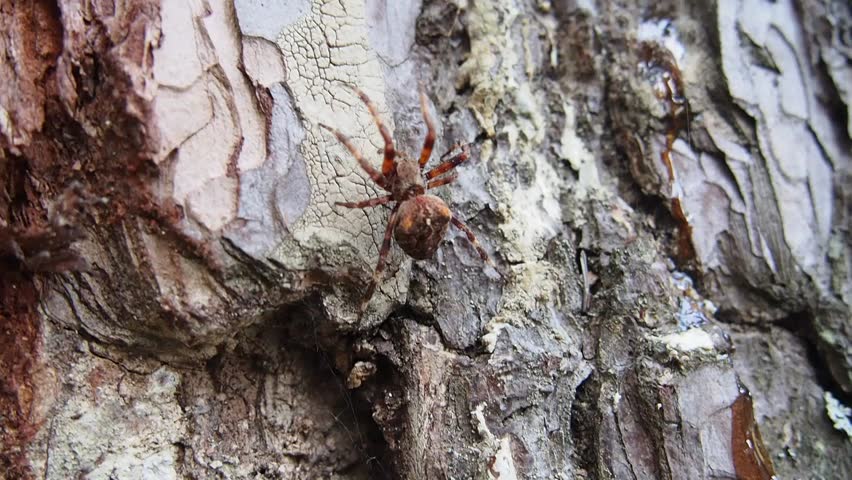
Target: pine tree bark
664 188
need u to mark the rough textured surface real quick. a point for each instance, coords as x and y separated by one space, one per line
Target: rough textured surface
633 161
798 389
747 176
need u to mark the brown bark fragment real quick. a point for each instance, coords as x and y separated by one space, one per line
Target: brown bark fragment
32 37
751 461
20 337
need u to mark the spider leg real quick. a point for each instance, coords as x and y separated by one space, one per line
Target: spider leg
457 145
470 236
377 177
388 166
429 142
371 202
449 164
441 181
383 255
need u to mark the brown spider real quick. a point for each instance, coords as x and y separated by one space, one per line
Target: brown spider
418 221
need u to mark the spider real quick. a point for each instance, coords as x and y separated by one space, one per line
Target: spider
418 221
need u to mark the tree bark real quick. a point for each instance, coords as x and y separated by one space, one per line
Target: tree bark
664 188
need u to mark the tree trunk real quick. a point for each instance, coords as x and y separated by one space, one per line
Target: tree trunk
664 188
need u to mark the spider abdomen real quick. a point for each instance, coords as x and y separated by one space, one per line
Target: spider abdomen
423 222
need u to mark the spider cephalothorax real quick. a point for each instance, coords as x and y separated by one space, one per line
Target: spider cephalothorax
418 221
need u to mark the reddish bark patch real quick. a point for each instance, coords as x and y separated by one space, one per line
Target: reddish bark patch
751 462
81 113
33 32
20 331
76 133
669 88
685 249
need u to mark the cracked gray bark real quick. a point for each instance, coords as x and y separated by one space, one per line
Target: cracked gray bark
216 333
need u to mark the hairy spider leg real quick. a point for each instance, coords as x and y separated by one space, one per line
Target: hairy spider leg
439 182
450 164
370 202
383 254
470 236
388 166
429 142
377 177
456 145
